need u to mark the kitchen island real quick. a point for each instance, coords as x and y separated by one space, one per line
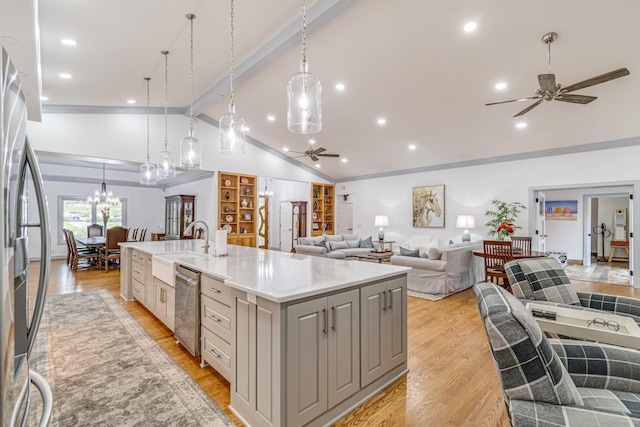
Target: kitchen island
303 340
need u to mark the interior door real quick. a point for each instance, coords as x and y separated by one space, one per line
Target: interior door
286 226
541 230
263 222
344 218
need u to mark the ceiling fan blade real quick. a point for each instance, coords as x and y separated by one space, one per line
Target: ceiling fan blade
529 108
319 150
313 157
298 152
576 99
329 155
547 82
512 100
597 80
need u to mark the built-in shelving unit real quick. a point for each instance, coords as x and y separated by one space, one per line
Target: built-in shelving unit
322 209
237 203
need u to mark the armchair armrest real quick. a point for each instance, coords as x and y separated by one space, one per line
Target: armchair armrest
624 306
601 366
540 414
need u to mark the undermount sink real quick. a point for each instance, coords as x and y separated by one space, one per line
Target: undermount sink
162 267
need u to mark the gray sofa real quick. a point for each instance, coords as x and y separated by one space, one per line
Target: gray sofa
337 246
452 268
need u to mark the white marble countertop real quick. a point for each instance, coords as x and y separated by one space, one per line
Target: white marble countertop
273 275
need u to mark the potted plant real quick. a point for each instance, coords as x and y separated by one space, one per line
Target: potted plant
502 220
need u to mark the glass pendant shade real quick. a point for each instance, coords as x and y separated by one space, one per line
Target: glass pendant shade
232 136
304 93
166 164
190 152
148 174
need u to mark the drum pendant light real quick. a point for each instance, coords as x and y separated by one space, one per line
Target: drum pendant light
148 173
232 126
304 93
190 147
166 160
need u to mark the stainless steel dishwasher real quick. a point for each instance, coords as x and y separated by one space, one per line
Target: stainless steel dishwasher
187 323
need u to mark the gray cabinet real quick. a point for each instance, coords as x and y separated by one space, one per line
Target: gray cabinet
323 357
383 334
164 306
215 332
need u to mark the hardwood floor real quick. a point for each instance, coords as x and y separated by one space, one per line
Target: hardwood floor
451 381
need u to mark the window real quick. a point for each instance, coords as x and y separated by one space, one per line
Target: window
75 214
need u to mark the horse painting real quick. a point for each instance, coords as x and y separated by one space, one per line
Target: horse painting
428 206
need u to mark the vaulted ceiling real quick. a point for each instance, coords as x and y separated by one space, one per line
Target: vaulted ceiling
409 62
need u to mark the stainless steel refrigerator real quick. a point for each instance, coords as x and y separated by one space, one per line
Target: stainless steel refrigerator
21 183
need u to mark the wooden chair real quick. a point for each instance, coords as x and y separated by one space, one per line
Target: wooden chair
114 235
521 244
65 232
94 230
496 254
143 234
134 235
78 255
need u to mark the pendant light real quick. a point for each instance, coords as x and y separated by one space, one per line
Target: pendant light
102 195
166 161
304 93
190 147
148 172
232 126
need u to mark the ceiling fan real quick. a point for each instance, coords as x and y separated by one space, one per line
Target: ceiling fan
550 90
314 154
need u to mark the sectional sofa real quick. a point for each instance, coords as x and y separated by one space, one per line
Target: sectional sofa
337 246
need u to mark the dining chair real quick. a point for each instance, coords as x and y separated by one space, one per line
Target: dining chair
95 230
521 244
78 255
496 254
143 234
134 235
114 235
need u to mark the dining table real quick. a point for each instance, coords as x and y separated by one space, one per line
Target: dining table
92 242
516 254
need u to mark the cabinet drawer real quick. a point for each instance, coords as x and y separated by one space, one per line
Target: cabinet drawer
217 353
216 289
139 272
216 317
135 256
138 290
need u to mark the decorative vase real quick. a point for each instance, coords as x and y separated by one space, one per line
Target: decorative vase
244 203
227 195
105 226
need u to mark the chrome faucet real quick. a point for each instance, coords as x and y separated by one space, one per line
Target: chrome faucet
206 233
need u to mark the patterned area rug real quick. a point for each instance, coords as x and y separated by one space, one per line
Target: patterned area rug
422 295
598 272
105 370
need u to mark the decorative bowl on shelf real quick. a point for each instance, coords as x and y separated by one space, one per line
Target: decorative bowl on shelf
227 228
244 180
227 183
229 218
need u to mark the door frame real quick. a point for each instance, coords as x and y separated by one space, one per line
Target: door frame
596 188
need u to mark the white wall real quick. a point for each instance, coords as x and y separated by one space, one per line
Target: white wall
206 192
283 190
469 190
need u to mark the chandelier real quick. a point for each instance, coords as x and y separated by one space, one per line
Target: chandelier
102 195
304 92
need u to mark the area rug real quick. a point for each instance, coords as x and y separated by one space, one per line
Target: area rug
105 370
430 297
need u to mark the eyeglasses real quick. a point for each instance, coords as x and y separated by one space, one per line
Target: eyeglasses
611 324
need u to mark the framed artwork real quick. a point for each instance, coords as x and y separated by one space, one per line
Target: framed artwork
428 206
564 210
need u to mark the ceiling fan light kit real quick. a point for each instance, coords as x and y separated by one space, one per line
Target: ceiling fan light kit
551 91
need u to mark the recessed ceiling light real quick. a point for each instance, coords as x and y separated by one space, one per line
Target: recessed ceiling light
68 42
521 125
285 149
312 141
412 146
470 26
64 76
131 101
344 160
340 86
501 85
271 118
318 165
44 98
382 121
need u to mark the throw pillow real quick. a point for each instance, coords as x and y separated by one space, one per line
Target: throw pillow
548 281
353 243
338 245
366 243
434 253
330 238
409 252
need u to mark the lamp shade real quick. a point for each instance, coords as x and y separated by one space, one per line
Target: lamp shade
381 221
466 221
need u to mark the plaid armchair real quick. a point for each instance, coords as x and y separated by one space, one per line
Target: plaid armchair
545 281
547 382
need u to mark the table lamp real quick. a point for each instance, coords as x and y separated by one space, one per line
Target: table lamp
381 221
466 222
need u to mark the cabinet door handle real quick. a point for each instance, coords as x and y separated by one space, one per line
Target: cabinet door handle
211 316
384 300
214 290
390 300
333 321
216 355
325 321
